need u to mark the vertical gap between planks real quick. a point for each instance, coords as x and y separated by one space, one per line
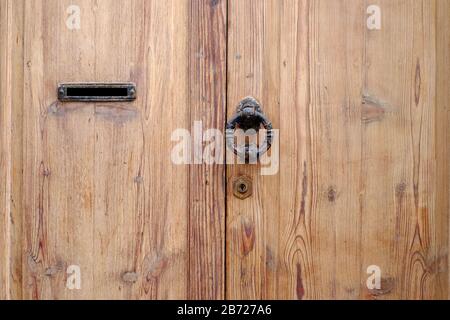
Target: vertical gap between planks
189 171
225 278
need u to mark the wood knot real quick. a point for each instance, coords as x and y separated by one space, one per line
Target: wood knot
270 259
43 170
139 179
130 277
373 108
387 285
55 109
248 237
33 263
332 194
400 189
300 287
156 266
53 270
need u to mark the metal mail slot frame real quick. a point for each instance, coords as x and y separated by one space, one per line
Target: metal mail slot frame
96 92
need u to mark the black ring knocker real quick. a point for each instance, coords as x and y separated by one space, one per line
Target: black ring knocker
249 116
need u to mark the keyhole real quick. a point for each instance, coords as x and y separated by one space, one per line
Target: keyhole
243 188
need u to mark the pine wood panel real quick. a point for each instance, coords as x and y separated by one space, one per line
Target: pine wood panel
443 135
248 242
207 71
363 179
405 141
17 80
99 189
5 147
11 72
358 174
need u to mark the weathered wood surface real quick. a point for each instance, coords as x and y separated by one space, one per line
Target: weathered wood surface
359 181
443 133
5 146
207 71
94 185
363 178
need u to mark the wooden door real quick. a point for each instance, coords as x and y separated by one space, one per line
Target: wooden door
92 184
363 175
362 182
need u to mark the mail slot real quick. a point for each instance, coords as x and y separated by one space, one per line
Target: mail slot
97 92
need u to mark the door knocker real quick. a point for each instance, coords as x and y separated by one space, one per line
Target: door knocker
249 116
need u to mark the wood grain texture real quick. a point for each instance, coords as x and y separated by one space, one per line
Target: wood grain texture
363 174
5 148
443 137
253 70
17 87
58 154
207 71
99 189
358 174
409 166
